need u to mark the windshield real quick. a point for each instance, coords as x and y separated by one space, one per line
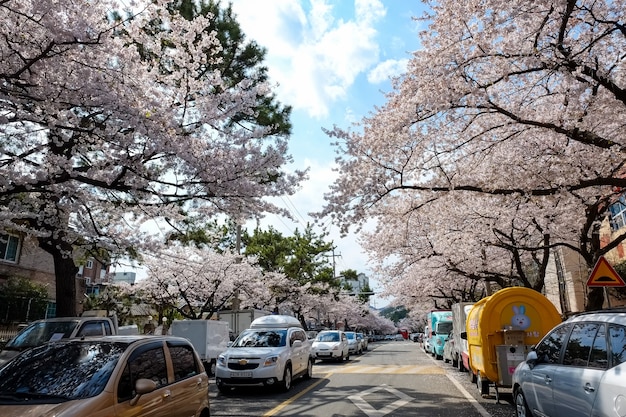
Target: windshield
351 336
444 327
328 337
38 333
261 338
61 371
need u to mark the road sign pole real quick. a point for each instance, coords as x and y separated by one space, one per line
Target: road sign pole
606 296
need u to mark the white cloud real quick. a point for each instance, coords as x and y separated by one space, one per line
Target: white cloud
386 70
312 56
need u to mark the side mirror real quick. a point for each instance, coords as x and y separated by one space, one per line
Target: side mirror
464 335
143 386
297 343
532 359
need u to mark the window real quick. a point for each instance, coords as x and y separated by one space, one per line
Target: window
549 350
617 340
93 328
144 363
183 361
618 214
297 335
9 245
586 346
89 264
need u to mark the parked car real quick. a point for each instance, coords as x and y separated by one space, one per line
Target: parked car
354 344
272 352
331 345
39 332
364 340
418 337
576 370
107 375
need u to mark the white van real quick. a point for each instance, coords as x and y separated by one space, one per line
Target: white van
272 352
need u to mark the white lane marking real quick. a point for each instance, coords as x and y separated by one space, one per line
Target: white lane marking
370 411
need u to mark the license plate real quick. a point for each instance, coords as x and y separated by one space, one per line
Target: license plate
241 374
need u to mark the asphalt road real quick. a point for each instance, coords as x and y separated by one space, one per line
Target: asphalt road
393 378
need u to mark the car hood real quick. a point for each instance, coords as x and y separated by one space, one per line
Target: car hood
6 355
34 410
247 352
325 345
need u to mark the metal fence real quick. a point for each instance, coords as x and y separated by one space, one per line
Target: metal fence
15 310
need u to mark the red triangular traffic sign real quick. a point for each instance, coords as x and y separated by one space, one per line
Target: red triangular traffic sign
603 275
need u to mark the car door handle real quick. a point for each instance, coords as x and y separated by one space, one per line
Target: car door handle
589 388
547 379
167 393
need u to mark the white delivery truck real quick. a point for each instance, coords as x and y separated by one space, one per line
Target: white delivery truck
460 351
240 320
208 337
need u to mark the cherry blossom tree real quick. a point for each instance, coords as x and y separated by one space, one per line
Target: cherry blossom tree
510 115
198 282
106 125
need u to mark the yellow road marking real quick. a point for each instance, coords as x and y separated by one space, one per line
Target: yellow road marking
285 403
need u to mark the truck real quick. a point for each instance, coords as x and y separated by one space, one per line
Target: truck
239 320
459 349
91 323
208 337
500 330
439 324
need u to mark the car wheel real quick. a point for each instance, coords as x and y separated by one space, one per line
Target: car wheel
521 407
482 384
348 356
224 389
211 368
309 369
285 385
461 367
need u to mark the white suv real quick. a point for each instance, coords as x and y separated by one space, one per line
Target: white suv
272 352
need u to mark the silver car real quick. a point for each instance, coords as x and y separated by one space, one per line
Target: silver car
576 370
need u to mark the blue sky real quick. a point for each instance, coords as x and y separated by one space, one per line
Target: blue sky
331 61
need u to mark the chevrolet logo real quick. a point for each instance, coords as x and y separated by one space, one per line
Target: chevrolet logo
243 361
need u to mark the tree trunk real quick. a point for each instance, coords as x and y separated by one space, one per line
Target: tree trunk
595 299
65 271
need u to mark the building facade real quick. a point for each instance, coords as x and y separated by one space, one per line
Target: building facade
22 257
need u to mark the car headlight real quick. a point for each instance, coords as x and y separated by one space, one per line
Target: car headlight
270 361
221 360
335 347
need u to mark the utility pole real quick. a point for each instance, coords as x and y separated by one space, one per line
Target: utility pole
334 256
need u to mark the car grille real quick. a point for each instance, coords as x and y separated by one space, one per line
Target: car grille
236 366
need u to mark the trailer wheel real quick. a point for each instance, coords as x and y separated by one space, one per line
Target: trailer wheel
482 384
472 375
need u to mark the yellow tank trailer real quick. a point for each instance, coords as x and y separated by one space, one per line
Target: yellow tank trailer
501 328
